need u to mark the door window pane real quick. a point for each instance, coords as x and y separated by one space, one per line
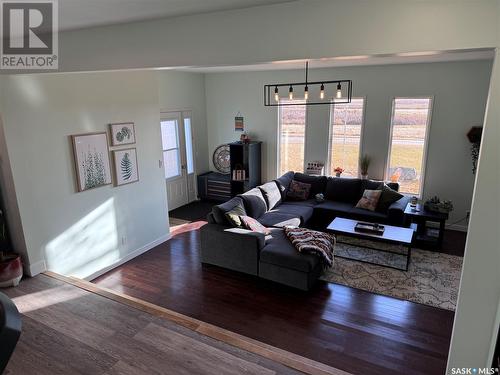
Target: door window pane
292 132
189 145
345 136
169 132
410 124
171 163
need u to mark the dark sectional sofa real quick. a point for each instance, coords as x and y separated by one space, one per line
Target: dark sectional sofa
272 256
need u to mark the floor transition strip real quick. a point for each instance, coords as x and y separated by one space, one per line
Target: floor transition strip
286 358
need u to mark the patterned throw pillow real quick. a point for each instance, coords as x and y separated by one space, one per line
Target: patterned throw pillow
369 200
233 216
298 191
252 224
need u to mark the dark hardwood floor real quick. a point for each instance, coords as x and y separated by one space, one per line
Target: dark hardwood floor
356 331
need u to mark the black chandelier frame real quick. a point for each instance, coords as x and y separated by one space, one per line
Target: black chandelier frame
269 91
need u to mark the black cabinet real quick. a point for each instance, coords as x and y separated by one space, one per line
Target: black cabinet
245 166
245 174
214 186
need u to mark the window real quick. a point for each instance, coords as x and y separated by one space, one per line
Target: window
345 136
171 151
409 130
292 135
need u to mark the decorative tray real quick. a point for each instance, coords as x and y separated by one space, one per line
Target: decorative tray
369 228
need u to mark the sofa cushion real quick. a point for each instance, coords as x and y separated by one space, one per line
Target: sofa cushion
219 211
271 193
280 251
370 185
307 202
369 200
365 215
318 183
255 204
346 190
284 182
332 207
279 220
388 197
298 191
304 212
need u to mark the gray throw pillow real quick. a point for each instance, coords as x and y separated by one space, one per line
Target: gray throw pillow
387 198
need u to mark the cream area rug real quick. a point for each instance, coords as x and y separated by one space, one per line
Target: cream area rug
432 278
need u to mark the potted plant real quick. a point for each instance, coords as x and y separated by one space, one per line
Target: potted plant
364 164
11 268
436 205
338 171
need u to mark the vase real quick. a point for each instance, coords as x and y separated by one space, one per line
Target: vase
364 177
11 271
338 174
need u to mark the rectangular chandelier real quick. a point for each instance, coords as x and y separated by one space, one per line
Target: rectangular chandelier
308 93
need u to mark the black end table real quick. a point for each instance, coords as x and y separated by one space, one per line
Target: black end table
420 216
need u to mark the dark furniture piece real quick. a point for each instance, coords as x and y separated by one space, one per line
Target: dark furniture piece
10 329
392 235
214 186
420 216
273 257
247 157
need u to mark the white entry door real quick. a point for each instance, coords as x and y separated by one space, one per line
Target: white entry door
178 158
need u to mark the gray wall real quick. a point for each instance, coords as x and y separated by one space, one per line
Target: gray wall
82 233
459 89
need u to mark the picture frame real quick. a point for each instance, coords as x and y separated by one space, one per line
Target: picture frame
91 157
126 167
122 133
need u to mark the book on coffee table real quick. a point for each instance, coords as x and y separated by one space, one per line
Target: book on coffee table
369 228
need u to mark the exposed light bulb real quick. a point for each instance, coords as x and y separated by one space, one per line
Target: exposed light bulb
322 92
339 91
276 94
290 93
306 93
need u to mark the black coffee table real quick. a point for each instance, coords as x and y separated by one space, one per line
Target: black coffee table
392 235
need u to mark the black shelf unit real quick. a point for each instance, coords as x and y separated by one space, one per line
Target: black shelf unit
247 157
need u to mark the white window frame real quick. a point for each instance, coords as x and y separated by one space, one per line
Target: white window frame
426 141
361 139
278 142
180 122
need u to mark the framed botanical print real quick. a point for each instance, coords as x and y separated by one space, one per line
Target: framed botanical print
91 157
122 134
126 169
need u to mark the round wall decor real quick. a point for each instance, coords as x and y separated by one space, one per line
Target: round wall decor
222 159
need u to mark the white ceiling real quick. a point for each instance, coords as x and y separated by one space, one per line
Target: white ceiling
78 14
404 58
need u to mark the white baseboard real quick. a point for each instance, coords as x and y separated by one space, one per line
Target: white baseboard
36 268
129 256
